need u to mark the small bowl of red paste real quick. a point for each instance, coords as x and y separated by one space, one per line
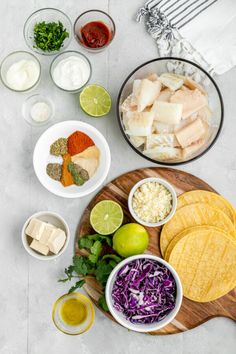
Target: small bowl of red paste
94 30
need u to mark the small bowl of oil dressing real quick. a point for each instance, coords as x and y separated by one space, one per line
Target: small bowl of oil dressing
73 313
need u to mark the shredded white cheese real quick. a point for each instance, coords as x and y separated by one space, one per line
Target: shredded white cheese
152 202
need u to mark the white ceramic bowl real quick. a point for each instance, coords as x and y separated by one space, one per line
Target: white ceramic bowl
52 218
119 317
42 157
165 184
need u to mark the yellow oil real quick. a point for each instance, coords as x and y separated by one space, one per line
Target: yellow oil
73 312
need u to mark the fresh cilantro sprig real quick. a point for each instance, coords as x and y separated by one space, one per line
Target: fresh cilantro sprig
49 36
94 264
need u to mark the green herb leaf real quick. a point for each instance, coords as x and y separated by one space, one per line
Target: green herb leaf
102 303
49 36
77 285
69 273
84 242
82 265
97 237
116 258
102 272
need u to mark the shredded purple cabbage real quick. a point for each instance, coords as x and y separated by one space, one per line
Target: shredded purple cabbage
144 291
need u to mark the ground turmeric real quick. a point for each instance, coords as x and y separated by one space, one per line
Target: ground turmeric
66 178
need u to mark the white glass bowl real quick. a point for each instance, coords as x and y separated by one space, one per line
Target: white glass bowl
73 330
63 56
120 318
30 102
160 66
13 58
52 218
165 184
47 15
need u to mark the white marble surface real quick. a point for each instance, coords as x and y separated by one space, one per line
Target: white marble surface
29 287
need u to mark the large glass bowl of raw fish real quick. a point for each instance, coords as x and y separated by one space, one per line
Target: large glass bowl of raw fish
170 111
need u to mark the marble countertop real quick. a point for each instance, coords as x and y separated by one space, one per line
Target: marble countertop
29 287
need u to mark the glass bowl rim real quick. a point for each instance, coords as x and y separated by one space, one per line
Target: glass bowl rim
77 295
221 106
17 52
63 53
89 48
38 11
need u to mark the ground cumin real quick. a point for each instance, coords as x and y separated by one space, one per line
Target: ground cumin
78 142
66 178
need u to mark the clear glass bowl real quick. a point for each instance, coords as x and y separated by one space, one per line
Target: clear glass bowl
30 102
91 16
77 329
63 56
185 67
47 15
13 58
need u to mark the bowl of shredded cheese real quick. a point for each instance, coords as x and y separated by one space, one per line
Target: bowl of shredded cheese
152 202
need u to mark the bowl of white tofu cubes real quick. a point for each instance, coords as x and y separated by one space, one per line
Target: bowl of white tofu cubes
45 235
170 111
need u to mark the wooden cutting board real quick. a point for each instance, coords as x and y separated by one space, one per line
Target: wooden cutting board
191 314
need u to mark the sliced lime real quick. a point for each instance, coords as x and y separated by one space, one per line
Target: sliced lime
106 217
95 101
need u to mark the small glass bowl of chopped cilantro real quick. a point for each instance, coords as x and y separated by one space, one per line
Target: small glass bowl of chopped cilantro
48 31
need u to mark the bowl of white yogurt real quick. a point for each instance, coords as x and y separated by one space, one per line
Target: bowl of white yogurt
20 71
71 71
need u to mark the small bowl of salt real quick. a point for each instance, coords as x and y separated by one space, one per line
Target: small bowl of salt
37 110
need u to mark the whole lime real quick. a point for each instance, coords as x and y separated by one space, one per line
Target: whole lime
130 239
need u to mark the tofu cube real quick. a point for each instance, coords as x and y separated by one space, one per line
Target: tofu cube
35 228
39 247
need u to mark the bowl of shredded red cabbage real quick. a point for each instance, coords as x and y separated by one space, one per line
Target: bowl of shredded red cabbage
144 293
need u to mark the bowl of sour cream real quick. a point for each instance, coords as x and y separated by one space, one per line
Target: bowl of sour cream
20 71
70 71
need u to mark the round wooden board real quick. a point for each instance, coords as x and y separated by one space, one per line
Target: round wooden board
191 313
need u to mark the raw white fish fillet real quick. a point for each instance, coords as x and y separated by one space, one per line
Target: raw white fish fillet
163 153
125 121
205 114
137 141
152 77
192 85
191 149
192 101
155 140
172 81
139 124
169 113
148 93
165 95
162 128
127 105
135 92
191 133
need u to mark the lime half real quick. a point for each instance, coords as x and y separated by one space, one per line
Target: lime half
106 217
95 101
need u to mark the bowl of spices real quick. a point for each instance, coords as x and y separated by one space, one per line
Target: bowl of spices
38 110
70 71
48 31
20 71
152 202
94 30
71 159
